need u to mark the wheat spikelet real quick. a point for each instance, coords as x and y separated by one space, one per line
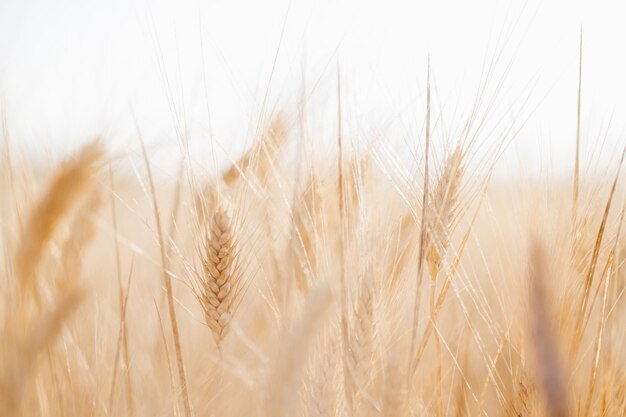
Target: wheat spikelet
219 282
443 205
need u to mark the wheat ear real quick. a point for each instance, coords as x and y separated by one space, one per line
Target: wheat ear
321 401
362 339
261 156
544 342
70 183
219 282
294 345
443 206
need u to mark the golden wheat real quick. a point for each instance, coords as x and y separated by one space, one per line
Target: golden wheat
307 272
219 282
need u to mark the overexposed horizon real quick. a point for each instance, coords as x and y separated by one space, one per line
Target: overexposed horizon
215 71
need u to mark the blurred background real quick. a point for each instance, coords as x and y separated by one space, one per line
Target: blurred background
216 71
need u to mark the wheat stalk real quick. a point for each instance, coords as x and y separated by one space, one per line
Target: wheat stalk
167 281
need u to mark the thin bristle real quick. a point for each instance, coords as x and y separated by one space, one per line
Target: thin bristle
577 157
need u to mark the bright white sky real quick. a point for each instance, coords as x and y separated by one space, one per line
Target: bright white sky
71 69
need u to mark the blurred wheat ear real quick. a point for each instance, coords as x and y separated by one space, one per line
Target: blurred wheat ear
31 324
548 362
282 387
70 182
443 206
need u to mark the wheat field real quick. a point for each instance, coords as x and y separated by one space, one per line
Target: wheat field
295 282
